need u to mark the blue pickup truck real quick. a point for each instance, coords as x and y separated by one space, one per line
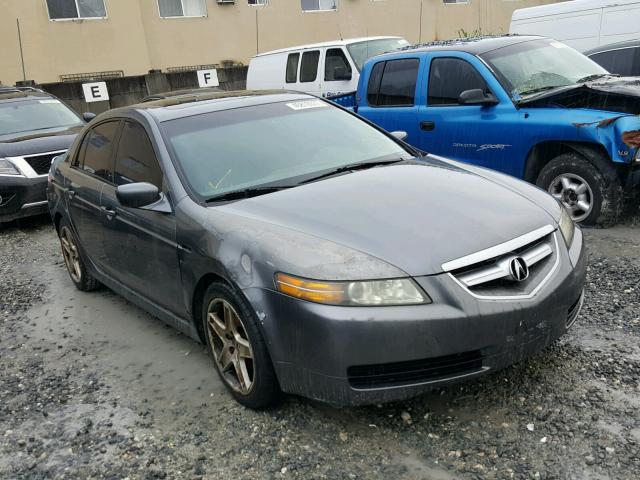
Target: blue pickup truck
527 106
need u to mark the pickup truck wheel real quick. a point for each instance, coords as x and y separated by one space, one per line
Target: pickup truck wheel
239 352
73 260
591 197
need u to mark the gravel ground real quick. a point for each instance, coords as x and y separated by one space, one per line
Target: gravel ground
92 387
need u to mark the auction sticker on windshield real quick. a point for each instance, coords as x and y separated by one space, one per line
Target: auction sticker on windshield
305 104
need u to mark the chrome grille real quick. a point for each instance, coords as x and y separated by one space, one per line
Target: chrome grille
41 163
488 273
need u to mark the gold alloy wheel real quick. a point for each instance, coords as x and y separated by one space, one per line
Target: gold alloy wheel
70 254
232 350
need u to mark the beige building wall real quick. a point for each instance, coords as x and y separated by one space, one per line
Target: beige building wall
133 38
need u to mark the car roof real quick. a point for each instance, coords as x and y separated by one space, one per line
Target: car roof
20 93
333 43
614 46
472 45
181 106
176 93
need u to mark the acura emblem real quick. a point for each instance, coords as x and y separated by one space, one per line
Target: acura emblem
518 269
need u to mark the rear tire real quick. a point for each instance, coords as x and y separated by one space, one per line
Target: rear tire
592 197
73 259
238 350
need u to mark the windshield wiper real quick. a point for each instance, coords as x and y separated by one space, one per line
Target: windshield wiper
352 168
541 89
247 193
595 76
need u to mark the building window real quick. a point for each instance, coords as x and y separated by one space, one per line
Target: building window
182 8
70 9
318 5
258 2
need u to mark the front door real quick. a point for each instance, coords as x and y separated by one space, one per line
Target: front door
90 171
482 135
339 75
141 243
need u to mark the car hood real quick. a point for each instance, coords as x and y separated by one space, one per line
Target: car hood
611 94
415 216
29 143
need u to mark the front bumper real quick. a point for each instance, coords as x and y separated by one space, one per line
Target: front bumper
22 197
361 355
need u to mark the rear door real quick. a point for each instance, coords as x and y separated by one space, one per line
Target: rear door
90 172
141 243
391 96
483 135
309 79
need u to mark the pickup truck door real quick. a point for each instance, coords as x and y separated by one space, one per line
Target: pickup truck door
391 97
482 135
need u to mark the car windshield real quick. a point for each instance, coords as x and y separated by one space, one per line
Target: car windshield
280 143
530 67
29 115
362 51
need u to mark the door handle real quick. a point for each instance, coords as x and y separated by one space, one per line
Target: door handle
427 125
109 212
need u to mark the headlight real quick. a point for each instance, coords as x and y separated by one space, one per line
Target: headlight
400 291
567 227
8 168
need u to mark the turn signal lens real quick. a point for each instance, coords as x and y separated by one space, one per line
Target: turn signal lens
401 291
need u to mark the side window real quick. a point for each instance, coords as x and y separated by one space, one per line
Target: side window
336 66
397 85
309 68
617 61
97 148
449 77
374 83
292 67
136 161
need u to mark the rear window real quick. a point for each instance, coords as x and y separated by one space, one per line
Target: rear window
393 83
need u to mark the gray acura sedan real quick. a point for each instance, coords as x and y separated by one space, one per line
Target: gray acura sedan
313 253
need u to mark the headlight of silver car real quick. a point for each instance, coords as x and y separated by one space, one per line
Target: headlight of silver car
399 291
8 168
567 227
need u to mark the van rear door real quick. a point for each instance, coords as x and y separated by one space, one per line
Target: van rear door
309 79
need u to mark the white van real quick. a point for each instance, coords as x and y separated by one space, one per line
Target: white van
583 24
328 68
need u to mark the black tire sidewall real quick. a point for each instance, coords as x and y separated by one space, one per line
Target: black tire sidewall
87 282
578 165
265 391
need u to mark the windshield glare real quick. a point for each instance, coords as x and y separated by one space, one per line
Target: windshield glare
24 116
233 150
362 51
539 65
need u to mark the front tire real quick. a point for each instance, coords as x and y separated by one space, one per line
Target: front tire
73 260
239 352
591 196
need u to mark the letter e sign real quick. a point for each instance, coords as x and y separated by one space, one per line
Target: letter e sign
95 92
208 78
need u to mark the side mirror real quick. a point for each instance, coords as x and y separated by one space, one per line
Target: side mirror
88 116
341 73
137 195
400 135
477 97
